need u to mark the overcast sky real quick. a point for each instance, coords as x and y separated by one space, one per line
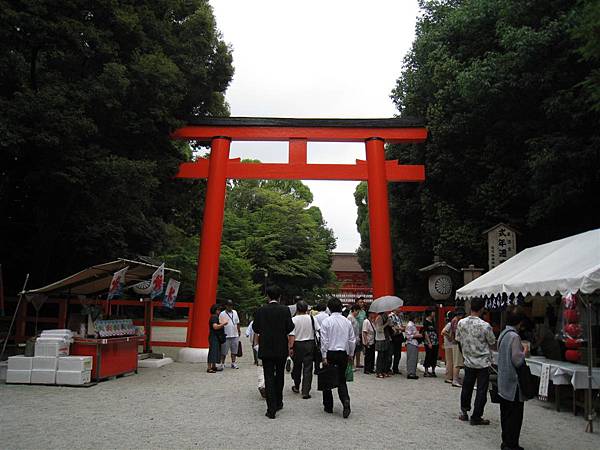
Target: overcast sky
320 59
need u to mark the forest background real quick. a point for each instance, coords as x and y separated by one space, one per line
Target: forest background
89 91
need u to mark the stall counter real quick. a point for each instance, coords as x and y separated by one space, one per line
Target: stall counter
111 356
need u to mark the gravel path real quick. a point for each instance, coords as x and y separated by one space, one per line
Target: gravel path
181 406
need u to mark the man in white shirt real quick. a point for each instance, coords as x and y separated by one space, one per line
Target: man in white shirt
232 331
337 349
304 337
476 337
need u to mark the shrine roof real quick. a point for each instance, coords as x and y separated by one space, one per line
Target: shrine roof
345 262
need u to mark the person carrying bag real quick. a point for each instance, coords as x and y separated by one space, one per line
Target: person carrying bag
515 384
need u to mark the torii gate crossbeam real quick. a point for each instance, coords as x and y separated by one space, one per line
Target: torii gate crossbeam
298 132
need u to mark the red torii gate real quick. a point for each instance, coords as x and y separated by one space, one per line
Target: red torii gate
298 132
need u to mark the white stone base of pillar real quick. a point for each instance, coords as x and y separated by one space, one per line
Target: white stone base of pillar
192 355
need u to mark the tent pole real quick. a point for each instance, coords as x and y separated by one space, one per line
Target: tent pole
589 409
14 317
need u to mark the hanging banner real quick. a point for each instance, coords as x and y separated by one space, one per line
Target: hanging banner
116 284
158 281
544 382
171 293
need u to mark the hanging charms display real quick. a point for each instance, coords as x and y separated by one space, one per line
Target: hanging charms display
571 332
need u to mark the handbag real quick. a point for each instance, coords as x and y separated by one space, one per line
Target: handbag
526 382
327 378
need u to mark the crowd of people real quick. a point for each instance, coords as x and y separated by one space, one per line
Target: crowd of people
329 337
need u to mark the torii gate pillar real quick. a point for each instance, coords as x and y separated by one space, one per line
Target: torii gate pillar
218 168
382 276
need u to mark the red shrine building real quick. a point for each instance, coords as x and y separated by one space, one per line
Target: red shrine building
354 281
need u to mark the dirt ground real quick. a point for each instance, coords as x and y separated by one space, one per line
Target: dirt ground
181 406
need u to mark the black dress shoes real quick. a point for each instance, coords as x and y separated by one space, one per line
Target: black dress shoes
270 415
328 410
479 421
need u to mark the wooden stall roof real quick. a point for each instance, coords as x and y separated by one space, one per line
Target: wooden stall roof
96 279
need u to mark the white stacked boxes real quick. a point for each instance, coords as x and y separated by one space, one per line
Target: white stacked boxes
45 363
75 370
52 345
43 376
75 363
72 377
44 369
19 369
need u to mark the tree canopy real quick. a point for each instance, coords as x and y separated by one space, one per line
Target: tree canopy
89 92
270 224
510 94
271 234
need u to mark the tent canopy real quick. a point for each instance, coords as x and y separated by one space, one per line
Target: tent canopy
96 280
566 266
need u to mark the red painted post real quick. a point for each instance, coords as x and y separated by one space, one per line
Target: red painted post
210 243
379 220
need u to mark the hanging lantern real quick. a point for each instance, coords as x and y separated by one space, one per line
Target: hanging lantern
573 330
573 355
571 315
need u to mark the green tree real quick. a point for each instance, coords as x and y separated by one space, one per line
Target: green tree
89 92
507 92
272 224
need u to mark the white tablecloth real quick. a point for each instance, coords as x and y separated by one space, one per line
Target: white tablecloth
562 372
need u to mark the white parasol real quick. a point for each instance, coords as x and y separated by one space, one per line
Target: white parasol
386 303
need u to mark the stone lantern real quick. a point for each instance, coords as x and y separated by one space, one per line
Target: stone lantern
440 279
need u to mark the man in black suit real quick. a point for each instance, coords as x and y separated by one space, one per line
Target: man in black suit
272 324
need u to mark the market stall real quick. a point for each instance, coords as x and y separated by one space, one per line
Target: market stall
567 267
112 342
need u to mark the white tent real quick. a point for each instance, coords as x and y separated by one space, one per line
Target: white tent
566 266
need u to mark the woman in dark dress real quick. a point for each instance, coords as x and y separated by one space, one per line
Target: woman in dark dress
214 344
431 343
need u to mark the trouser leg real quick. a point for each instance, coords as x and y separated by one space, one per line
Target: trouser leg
307 362
427 360
511 420
412 355
397 353
269 374
340 360
483 379
279 380
449 363
431 357
467 389
381 360
369 358
327 399
297 366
